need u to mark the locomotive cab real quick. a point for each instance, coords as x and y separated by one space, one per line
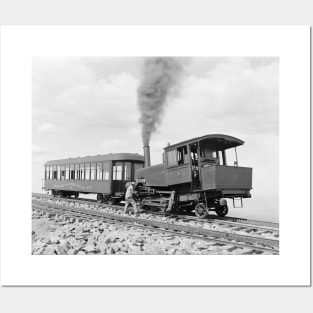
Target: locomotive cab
198 168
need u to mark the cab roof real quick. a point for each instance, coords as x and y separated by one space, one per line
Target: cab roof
217 141
98 158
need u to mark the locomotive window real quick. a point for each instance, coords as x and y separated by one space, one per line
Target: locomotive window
182 155
72 171
171 158
76 166
67 171
117 171
59 172
127 171
93 171
99 171
106 170
62 172
87 171
82 171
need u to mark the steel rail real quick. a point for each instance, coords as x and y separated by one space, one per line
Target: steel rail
248 239
227 220
90 216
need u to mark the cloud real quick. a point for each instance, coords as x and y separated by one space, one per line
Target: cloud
233 95
50 128
69 91
38 150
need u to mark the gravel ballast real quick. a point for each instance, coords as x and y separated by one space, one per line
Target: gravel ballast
55 235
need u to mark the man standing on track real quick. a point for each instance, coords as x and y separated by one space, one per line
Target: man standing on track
129 199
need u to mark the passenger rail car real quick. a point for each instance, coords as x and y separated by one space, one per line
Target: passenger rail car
197 171
104 175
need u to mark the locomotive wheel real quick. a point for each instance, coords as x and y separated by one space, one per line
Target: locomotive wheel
221 210
201 211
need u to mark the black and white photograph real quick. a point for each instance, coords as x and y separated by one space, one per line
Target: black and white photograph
155 155
181 149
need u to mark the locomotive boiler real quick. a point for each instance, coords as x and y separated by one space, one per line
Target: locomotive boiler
195 176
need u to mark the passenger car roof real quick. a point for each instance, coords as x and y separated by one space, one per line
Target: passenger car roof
218 140
98 158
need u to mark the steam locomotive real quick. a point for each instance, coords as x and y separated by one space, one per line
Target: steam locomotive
194 176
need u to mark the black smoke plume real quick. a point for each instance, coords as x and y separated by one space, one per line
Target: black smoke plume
160 78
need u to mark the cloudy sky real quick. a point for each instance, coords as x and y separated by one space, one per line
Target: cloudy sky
88 106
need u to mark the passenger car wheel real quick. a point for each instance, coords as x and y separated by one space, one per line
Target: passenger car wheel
201 211
221 210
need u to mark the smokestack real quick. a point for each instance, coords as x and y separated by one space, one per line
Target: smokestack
146 153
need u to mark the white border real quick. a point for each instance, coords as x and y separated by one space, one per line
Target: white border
290 43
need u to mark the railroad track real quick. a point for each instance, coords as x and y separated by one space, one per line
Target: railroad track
229 225
248 249
255 241
210 218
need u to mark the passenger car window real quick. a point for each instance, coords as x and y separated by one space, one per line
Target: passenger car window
93 171
47 172
67 171
106 170
117 171
62 172
82 171
127 171
72 171
99 171
59 172
87 171
76 171
55 173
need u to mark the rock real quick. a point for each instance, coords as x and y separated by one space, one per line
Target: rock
208 252
60 249
96 224
153 250
54 238
81 252
172 251
110 250
124 247
116 247
107 241
175 242
91 242
182 251
74 243
187 244
134 250
49 250
200 245
140 241
91 249
82 236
